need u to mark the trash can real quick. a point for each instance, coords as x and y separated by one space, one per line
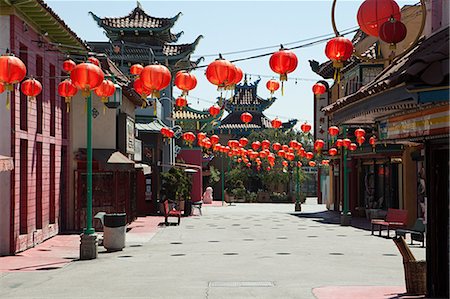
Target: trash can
114 231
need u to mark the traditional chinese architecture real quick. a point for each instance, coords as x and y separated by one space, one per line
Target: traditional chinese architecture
191 119
141 38
405 106
246 99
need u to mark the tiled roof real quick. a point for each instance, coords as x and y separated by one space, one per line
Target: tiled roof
153 127
238 126
40 13
245 96
137 19
233 119
426 64
188 113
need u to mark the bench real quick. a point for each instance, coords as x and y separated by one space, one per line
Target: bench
198 205
170 213
417 232
395 218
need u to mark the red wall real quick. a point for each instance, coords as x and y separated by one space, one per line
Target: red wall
32 233
194 157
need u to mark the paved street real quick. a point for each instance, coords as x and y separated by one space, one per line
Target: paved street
242 251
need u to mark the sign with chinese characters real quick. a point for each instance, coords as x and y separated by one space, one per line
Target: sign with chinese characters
130 135
320 119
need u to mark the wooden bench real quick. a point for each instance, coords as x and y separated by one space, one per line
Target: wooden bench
170 213
395 218
417 232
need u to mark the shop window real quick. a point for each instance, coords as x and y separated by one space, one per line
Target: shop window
23 201
23 55
38 185
52 88
39 104
52 208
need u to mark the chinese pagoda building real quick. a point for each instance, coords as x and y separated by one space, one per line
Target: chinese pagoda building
245 99
141 38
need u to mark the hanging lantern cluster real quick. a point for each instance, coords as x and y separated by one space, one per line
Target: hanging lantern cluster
373 13
360 136
283 62
167 133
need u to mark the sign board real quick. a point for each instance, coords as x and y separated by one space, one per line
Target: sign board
321 122
129 135
137 150
310 170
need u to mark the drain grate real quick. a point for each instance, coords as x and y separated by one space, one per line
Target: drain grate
241 284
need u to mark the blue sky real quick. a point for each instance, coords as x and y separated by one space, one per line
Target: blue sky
234 26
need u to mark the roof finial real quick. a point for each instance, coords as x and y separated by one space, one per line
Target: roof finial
138 4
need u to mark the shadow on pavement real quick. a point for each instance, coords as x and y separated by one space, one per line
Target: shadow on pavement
333 217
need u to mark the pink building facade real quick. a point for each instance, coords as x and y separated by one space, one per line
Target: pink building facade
35 134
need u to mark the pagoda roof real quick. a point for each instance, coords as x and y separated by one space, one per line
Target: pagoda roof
245 98
191 114
141 52
137 19
233 121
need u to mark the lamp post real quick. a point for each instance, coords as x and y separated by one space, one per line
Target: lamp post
222 177
298 206
88 245
346 218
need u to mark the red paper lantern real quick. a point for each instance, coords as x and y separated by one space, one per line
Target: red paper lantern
246 117
372 140
373 13
68 65
285 148
361 140
239 75
319 144
67 90
249 164
185 81
276 146
276 123
87 76
360 133
272 85
332 151
312 163
265 144
285 163
293 144
155 78
271 158
94 60
243 141
31 88
305 128
214 110
136 69
339 143
283 62
299 164
140 88
325 162
201 136
352 147
346 142
189 137
338 50
181 102
12 70
256 145
214 139
262 154
281 153
170 133
290 156
221 72
164 131
105 90
309 155
392 32
333 131
319 89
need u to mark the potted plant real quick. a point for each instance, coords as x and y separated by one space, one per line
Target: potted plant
176 186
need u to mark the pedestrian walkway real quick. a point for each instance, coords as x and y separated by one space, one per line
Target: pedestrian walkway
241 251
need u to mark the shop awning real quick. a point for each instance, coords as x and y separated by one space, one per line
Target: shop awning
6 163
147 169
119 158
152 127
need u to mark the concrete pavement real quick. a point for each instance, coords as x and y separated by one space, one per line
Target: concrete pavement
242 251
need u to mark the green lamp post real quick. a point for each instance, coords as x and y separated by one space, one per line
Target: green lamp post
346 217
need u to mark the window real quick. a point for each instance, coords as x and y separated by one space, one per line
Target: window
23 55
23 206
52 204
38 185
64 115
52 88
39 106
